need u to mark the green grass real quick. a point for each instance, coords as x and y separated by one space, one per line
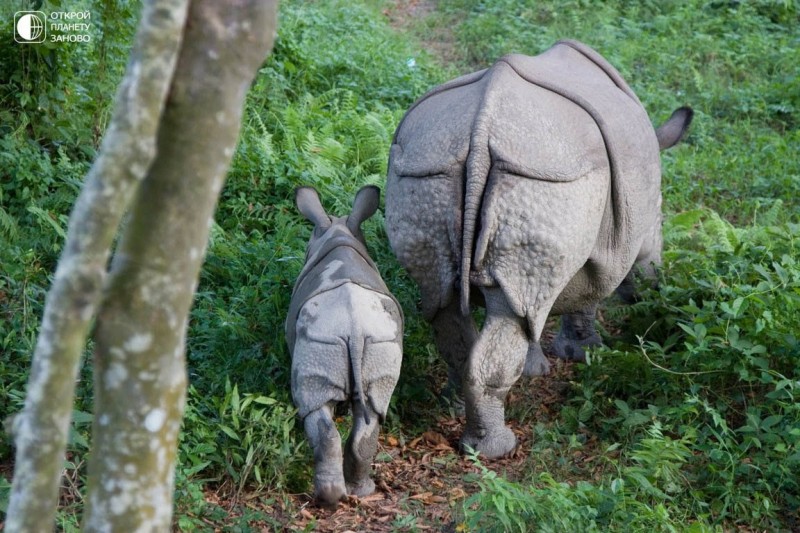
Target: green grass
692 413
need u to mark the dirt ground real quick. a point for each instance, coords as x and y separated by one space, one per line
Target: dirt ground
436 37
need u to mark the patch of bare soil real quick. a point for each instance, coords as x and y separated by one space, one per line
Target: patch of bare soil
414 16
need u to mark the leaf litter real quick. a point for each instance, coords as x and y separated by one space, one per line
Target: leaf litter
423 481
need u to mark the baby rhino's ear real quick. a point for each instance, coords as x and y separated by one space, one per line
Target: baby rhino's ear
364 206
308 204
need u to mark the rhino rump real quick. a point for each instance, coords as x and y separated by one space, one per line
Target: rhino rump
321 361
593 132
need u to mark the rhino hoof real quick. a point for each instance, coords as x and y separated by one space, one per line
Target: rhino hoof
492 445
364 488
535 362
574 350
328 493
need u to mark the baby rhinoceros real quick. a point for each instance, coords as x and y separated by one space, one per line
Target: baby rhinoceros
345 334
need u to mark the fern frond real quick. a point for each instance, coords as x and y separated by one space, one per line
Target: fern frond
48 219
721 234
8 226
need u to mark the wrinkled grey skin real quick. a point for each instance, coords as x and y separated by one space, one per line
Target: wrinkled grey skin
533 185
345 334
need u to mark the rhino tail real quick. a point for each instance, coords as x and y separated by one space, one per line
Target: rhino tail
673 130
355 346
477 174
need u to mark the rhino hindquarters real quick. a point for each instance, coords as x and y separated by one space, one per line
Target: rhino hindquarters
320 374
536 235
423 223
328 324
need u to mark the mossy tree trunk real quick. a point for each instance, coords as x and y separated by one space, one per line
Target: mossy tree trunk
167 149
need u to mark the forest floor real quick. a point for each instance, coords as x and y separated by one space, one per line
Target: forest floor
422 481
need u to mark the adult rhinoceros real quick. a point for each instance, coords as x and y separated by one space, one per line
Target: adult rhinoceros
536 182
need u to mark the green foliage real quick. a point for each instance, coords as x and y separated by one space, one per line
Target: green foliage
717 368
5 493
55 93
241 440
53 106
636 498
694 424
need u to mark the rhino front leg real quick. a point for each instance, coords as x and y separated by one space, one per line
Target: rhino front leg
577 333
329 485
494 365
360 450
455 334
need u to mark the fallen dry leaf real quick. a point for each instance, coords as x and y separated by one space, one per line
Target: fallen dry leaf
457 493
434 438
372 497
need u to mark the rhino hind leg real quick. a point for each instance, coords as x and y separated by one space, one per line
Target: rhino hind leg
627 289
360 450
455 334
329 484
494 365
577 333
536 364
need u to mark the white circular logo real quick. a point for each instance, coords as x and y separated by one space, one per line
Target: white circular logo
30 27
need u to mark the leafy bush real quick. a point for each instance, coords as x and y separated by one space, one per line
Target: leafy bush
242 441
636 498
717 368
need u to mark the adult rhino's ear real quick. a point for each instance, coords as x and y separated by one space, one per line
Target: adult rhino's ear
673 130
364 206
308 204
